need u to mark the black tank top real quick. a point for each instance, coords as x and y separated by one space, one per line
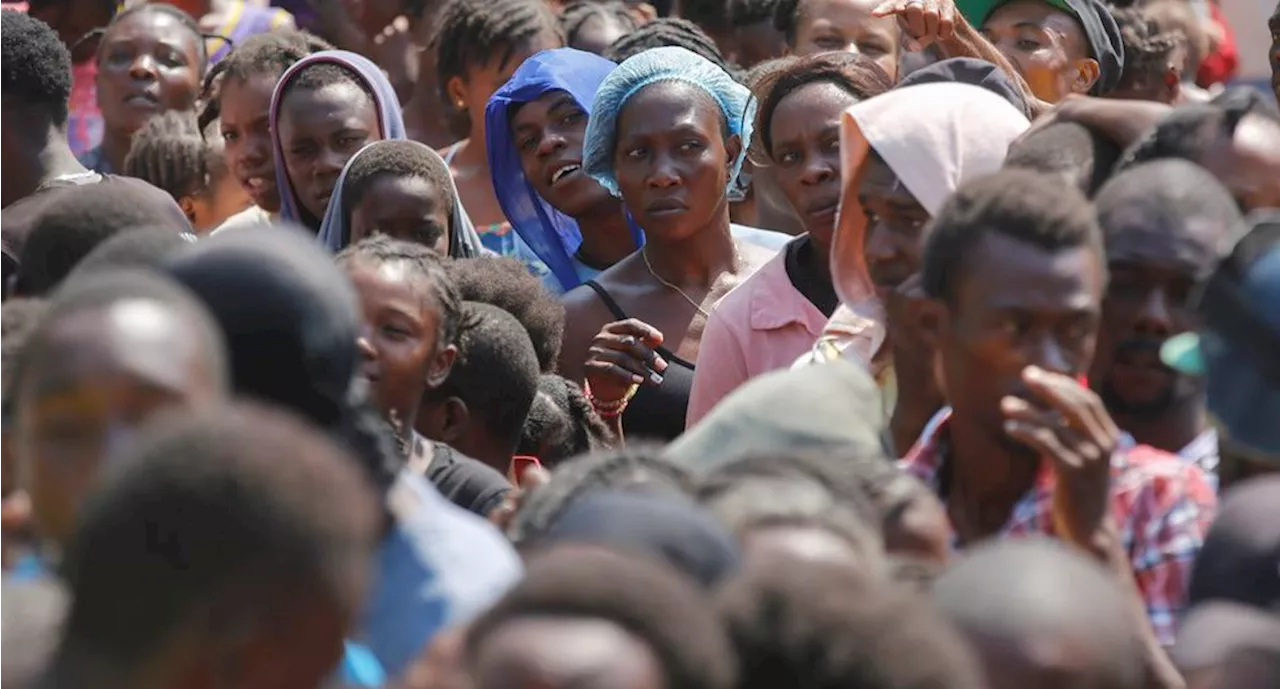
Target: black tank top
658 412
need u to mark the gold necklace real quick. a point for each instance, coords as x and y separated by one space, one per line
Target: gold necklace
645 255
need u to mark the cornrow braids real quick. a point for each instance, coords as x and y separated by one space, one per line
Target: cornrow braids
576 16
857 75
186 20
663 32
473 33
1147 48
429 267
171 154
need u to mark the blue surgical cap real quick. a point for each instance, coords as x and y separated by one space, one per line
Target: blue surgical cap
662 64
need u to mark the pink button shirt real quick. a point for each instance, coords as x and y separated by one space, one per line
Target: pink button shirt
763 325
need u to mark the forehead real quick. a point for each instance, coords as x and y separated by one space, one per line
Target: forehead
1035 13
1134 233
1002 272
837 11
157 25
814 99
533 112
665 105
332 102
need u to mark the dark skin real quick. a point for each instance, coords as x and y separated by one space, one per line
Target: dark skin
1154 271
320 130
116 368
245 122
1047 47
848 26
549 134
565 652
408 208
672 161
758 42
34 150
896 223
399 339
148 63
597 33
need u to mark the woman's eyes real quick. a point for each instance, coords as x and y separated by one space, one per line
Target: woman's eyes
173 59
690 146
872 49
573 118
637 153
527 143
229 136
789 158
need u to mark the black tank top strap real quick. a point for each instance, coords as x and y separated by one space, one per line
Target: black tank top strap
608 300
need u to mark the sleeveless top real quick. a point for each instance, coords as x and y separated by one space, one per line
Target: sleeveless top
658 412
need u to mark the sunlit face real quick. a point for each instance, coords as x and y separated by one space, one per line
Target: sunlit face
549 134
245 121
896 226
1047 46
847 26
408 208
106 372
148 63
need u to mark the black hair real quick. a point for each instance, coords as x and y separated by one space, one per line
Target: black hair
36 66
1030 208
747 12
1067 148
266 53
649 601
1191 131
857 75
89 215
826 627
495 374
1165 196
321 73
562 423
709 15
171 154
786 16
507 284
664 32
472 33
576 15
629 468
143 248
1147 49
211 519
427 265
19 320
400 159
187 21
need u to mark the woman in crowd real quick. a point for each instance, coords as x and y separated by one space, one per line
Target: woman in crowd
819 26
151 59
782 309
479 43
667 136
402 189
536 124
594 26
238 95
324 109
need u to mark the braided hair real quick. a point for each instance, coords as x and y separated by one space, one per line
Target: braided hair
663 32
260 54
576 15
1147 48
473 33
171 154
186 20
562 423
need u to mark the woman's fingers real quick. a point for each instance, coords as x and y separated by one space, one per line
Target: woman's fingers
632 346
646 333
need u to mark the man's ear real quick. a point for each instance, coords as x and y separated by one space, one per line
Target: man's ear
1087 73
454 421
440 365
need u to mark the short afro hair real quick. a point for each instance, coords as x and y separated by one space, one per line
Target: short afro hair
495 374
857 75
400 159
1164 197
36 65
507 284
629 468
649 601
825 627
664 32
320 74
428 267
267 54
1073 150
562 423
1027 207
213 517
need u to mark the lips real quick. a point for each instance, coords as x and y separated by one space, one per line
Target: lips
822 209
563 170
665 206
144 99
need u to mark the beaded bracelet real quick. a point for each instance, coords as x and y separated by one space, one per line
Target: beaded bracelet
609 409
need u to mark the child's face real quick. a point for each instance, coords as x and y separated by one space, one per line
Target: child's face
223 199
407 208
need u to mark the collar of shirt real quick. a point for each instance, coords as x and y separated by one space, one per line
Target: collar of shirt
775 303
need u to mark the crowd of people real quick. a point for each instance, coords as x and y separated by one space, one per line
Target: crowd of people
604 344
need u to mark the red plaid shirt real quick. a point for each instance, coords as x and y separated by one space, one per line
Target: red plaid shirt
1162 506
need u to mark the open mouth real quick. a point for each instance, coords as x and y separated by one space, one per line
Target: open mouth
563 172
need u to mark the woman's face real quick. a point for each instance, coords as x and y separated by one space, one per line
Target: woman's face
147 63
245 114
894 240
407 208
548 135
399 338
472 92
320 129
805 129
847 26
672 159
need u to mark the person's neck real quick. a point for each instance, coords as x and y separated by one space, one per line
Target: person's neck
115 148
41 164
816 262
473 152
606 234
1170 431
696 260
987 479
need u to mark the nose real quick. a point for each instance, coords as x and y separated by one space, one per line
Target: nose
364 343
818 170
255 150
549 144
1048 354
664 174
1155 316
142 67
331 162
880 245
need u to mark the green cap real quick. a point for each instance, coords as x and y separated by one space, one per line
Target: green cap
977 11
1182 353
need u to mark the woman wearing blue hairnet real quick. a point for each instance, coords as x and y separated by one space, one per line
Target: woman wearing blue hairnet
667 135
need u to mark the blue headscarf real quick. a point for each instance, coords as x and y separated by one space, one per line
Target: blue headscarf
384 101
552 235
